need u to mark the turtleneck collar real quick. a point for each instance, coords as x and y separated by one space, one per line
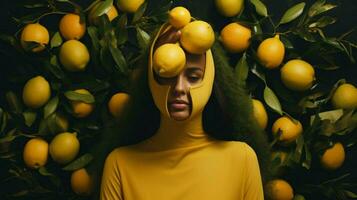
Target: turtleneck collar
174 134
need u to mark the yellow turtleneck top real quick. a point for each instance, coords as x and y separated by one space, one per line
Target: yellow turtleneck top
181 162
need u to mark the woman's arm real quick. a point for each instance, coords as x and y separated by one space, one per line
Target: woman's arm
253 185
111 184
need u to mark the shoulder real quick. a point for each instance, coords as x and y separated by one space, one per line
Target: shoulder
241 149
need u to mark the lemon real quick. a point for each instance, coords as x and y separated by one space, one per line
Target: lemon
35 153
260 113
117 103
297 75
35 33
271 52
345 97
71 28
112 13
82 109
289 129
279 189
229 8
130 6
333 157
235 37
36 92
74 55
197 37
179 17
169 60
81 182
64 147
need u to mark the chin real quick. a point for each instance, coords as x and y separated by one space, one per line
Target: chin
180 116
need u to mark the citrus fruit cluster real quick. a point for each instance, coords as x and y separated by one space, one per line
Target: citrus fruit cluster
196 37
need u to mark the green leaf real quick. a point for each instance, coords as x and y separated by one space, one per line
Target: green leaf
299 148
241 70
56 40
322 22
119 59
7 139
93 34
3 120
332 115
143 38
299 197
286 42
319 7
51 106
140 12
75 96
272 100
39 5
307 161
292 13
350 194
13 102
260 8
79 162
103 8
30 117
55 68
258 72
44 172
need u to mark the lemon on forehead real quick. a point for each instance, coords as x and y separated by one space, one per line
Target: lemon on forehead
197 37
179 17
169 59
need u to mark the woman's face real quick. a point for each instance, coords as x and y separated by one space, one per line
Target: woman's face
179 101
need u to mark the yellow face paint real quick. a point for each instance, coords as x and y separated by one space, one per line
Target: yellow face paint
200 93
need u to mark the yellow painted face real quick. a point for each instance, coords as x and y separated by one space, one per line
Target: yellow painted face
200 92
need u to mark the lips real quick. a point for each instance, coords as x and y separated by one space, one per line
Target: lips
178 105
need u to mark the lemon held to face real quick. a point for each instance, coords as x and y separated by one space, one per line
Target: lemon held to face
179 17
169 60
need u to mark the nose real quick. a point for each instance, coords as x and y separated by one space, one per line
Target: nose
179 86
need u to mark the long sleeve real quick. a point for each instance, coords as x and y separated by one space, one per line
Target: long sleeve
253 185
111 183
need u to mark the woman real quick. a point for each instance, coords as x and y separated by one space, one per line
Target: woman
183 159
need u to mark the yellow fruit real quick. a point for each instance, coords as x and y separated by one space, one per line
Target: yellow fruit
271 52
297 75
64 147
36 92
179 17
169 60
260 113
74 55
333 157
82 109
279 189
35 33
345 97
112 13
290 130
35 153
71 27
235 37
81 182
197 37
229 8
117 103
130 6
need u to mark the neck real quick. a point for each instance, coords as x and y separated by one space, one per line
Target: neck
175 134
